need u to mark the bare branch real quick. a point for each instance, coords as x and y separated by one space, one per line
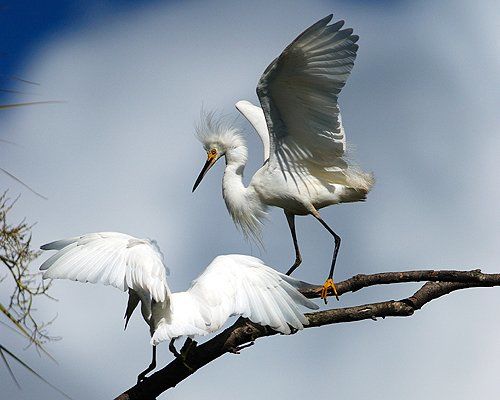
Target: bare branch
31 370
243 332
31 103
12 176
361 281
15 257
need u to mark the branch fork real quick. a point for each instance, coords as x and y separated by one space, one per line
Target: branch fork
243 333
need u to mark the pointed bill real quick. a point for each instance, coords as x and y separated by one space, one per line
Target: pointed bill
211 159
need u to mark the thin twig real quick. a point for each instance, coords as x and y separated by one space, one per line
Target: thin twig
15 258
11 373
2 348
30 103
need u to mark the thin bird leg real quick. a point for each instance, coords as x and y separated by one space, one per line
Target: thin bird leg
184 350
329 283
151 367
172 348
298 258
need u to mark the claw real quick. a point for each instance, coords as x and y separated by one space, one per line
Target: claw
329 283
142 376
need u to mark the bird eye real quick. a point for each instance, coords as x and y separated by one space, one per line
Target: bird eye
213 152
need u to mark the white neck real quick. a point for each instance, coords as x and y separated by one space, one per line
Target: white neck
243 203
232 183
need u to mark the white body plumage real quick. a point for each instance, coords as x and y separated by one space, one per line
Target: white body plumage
230 285
305 168
305 164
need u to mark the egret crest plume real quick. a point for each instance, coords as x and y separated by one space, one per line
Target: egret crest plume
221 138
305 164
216 130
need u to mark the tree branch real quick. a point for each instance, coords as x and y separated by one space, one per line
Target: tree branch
438 284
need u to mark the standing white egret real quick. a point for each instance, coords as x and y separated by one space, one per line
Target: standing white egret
231 285
305 167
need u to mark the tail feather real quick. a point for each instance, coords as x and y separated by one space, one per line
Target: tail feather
133 302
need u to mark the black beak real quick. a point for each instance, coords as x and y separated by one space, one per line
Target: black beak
210 162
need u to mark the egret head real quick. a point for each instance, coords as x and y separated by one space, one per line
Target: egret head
219 138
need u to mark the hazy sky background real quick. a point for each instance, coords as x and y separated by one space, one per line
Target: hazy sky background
421 109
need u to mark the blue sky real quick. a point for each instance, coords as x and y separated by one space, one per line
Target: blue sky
420 111
24 24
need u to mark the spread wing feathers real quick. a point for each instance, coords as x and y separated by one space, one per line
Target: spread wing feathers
256 117
188 317
243 285
298 92
110 258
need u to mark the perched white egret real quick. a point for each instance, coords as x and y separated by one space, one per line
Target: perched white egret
231 285
305 166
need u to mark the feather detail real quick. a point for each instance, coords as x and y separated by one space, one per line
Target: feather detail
230 285
244 205
215 131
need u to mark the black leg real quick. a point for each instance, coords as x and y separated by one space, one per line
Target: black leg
186 347
337 244
172 348
151 367
329 284
298 258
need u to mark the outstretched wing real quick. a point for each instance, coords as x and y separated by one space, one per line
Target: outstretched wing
256 117
298 92
243 285
110 258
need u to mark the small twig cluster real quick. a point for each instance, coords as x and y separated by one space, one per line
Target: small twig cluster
23 285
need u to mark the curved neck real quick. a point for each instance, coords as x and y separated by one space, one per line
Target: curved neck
243 203
236 160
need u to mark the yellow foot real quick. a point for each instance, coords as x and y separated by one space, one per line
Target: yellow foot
327 285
